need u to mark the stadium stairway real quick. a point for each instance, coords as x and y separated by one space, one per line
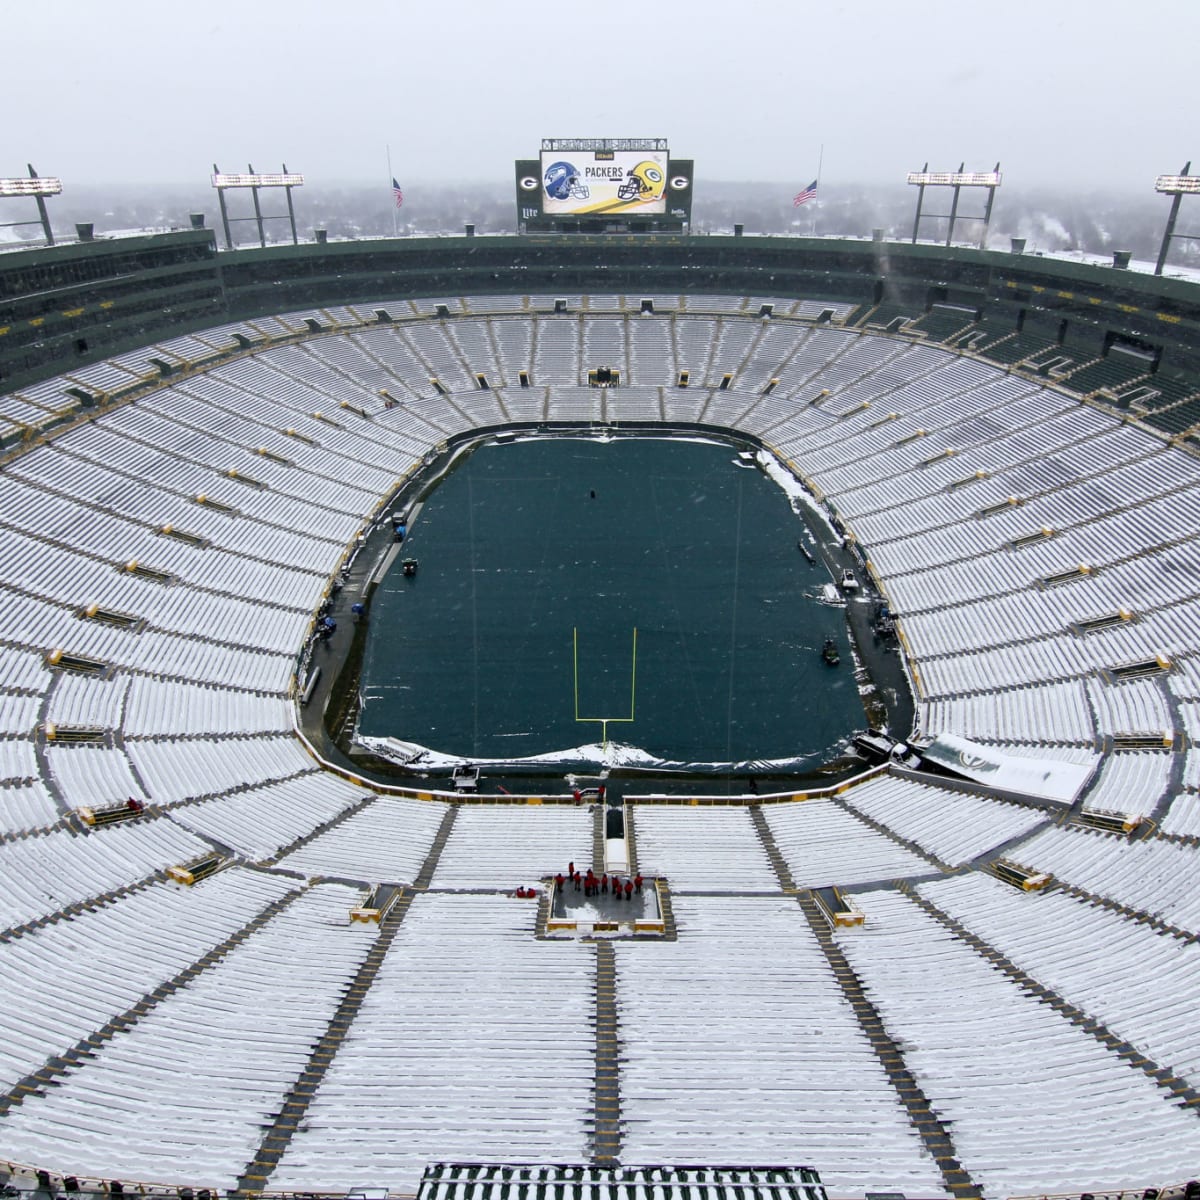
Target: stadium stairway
1178 1090
1181 839
631 841
498 357
236 790
50 1075
279 1133
934 1134
543 912
321 829
19 835
1133 914
667 909
606 1129
599 823
70 910
879 827
425 874
774 857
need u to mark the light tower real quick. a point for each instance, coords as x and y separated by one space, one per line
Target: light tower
39 189
254 182
957 180
1177 186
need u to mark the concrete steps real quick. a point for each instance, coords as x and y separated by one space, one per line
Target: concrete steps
1178 1089
778 863
71 910
631 839
599 814
670 929
606 1123
934 1133
1134 914
425 874
295 1104
879 827
324 827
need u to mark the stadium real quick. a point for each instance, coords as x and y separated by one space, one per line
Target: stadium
234 963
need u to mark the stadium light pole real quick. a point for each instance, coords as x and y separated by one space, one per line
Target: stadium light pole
37 187
957 180
1176 186
254 181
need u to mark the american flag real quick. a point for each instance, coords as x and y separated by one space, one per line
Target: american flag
805 195
397 194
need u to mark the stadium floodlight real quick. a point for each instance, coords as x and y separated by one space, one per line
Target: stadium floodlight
957 180
252 180
224 180
37 186
1177 185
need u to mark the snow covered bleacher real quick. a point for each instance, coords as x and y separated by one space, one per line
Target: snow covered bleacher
1133 978
239 1033
1037 1105
711 849
387 840
132 946
1147 876
509 845
824 843
952 826
751 1082
474 1044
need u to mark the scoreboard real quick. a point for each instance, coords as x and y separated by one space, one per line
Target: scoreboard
604 185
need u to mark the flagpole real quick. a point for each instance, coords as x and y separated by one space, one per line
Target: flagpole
390 178
820 163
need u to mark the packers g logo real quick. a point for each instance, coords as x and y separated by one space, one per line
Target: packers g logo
973 762
644 182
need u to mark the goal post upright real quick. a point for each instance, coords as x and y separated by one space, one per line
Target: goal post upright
604 722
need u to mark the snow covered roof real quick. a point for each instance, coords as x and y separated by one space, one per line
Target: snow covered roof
1047 779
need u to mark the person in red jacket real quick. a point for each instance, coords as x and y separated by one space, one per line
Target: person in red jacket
629 889
637 882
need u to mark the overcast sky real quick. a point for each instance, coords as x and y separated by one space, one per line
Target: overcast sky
1095 93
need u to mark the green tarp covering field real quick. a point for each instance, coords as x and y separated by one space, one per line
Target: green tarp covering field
538 560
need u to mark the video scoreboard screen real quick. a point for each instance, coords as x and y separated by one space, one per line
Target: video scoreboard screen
604 181
580 183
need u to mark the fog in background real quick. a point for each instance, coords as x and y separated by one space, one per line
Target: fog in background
1083 103
1051 220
